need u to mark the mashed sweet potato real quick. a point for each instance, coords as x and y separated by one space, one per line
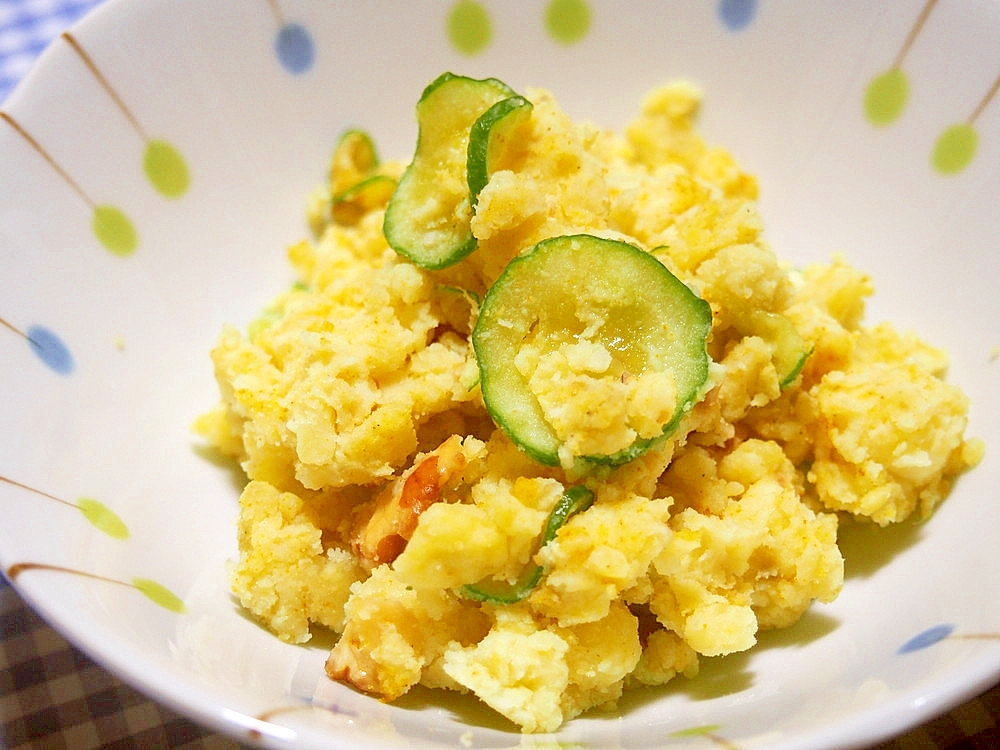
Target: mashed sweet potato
379 486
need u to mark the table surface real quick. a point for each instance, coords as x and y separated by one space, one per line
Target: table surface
52 696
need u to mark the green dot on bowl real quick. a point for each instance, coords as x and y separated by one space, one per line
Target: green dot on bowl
159 594
567 21
102 517
166 169
955 148
114 230
469 27
698 731
886 97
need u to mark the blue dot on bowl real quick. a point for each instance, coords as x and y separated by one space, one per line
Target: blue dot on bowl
295 49
926 638
50 349
736 15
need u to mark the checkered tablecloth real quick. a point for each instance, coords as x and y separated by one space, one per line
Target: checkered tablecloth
54 697
26 28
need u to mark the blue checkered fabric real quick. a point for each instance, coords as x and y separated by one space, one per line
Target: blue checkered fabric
26 28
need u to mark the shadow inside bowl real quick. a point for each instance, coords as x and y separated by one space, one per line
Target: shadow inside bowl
227 464
866 547
812 626
720 676
463 708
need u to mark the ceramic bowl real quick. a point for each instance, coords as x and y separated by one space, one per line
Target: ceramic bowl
155 164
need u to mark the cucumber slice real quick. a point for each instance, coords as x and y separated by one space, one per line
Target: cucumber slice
491 138
580 288
356 187
427 219
353 160
348 206
574 500
790 350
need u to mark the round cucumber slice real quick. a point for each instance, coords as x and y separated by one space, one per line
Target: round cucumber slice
612 301
349 206
428 217
491 138
353 159
790 350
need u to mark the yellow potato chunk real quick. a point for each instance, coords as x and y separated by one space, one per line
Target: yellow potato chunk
285 576
890 433
758 563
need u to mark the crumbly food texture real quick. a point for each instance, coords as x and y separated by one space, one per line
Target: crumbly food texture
378 486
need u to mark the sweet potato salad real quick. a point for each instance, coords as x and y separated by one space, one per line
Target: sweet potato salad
545 417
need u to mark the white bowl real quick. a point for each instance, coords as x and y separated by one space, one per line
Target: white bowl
105 335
